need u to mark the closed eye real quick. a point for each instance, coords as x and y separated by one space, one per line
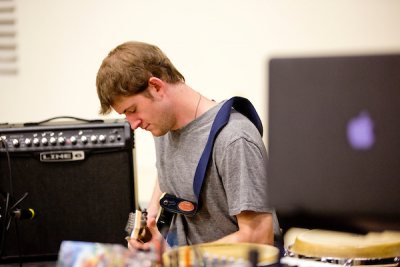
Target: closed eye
129 110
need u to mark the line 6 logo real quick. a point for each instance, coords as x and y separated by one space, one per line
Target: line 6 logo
57 156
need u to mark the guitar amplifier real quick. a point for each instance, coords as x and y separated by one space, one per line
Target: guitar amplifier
77 177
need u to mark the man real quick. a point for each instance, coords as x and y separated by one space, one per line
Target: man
138 80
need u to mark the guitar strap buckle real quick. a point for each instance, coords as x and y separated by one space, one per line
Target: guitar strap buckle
178 205
169 206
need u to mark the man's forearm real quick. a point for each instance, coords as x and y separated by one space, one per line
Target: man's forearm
154 205
253 228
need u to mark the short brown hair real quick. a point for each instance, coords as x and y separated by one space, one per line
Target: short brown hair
127 69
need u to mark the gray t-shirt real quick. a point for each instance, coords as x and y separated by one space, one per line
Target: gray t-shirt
236 179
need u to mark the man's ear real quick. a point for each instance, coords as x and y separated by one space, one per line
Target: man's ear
156 88
156 84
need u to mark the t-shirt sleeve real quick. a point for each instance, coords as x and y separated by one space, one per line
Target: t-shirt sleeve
244 175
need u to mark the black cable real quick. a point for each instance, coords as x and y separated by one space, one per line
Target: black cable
14 206
5 217
4 226
7 207
19 201
9 164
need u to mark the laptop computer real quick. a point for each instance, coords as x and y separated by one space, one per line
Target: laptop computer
334 142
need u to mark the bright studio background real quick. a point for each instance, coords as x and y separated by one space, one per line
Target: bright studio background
222 47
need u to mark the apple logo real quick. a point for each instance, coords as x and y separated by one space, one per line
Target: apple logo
360 131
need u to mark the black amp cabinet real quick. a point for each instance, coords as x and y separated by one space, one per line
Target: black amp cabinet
78 178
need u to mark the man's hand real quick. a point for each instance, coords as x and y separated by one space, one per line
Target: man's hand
155 242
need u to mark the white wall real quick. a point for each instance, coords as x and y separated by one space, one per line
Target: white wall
221 47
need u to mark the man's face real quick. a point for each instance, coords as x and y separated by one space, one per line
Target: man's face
145 111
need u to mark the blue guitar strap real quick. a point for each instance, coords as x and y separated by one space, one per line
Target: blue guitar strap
241 105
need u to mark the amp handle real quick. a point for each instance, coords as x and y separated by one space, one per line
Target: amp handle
62 117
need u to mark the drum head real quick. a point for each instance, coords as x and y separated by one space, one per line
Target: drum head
332 244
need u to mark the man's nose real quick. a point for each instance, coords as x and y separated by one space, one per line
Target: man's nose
134 121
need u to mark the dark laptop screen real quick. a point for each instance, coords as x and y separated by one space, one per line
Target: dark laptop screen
334 141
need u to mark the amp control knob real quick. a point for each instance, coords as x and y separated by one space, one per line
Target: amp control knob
53 141
73 140
15 142
36 141
45 142
61 140
84 140
28 142
102 138
93 139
